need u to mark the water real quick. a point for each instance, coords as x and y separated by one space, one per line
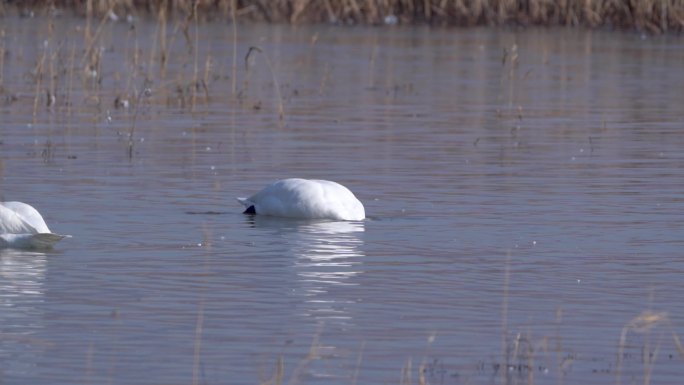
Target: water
523 187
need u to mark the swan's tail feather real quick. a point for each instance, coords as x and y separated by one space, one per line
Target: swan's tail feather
45 240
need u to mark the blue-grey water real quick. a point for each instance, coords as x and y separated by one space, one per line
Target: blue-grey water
524 190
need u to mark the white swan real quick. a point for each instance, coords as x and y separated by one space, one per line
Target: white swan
305 199
22 226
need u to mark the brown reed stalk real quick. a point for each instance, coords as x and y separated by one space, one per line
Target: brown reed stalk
39 78
163 49
406 373
371 65
299 7
504 315
279 375
131 135
281 108
155 38
185 28
2 57
359 359
324 80
199 326
208 64
52 73
91 55
89 16
195 81
643 323
51 92
70 77
134 60
332 16
233 11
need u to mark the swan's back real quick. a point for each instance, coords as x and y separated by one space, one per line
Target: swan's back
22 226
20 218
305 199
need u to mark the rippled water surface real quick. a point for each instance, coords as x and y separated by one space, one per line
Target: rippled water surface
524 193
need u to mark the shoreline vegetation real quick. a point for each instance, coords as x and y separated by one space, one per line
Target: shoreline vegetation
649 16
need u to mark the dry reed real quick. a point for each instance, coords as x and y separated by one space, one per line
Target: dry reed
39 74
654 16
163 48
644 324
145 91
233 17
276 83
68 100
2 58
504 312
199 327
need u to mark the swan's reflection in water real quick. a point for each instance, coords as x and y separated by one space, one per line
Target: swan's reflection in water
328 255
22 275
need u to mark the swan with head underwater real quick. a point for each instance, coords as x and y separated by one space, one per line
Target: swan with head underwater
305 199
22 227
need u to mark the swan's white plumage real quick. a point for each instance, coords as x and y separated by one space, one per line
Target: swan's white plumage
306 199
22 226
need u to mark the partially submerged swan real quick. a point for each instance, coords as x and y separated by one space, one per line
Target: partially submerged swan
305 199
22 226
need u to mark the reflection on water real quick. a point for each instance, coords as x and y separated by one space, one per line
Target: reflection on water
328 254
22 274
325 255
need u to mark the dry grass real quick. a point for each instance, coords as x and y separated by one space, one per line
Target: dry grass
276 83
654 16
70 71
646 323
525 357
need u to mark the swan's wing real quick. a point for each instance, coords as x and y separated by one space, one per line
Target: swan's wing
13 221
30 215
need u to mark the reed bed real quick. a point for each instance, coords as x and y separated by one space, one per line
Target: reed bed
655 16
